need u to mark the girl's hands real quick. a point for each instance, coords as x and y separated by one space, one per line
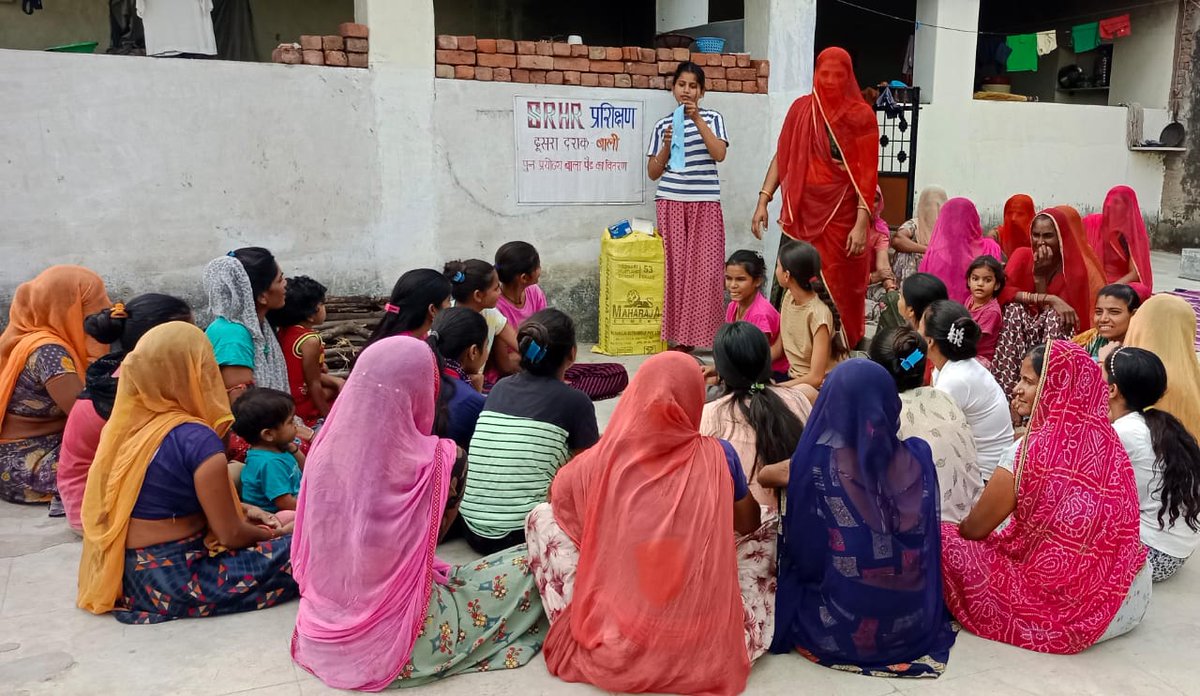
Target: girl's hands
666 142
690 110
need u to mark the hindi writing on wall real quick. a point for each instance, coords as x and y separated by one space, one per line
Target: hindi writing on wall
579 151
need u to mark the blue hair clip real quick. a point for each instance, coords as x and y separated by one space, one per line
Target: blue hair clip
231 254
534 353
913 358
458 277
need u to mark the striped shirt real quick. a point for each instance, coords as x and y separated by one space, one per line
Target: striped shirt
527 430
698 180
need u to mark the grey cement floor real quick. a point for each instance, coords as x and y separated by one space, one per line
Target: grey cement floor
47 646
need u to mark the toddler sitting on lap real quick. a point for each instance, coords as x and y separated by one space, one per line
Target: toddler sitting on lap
271 477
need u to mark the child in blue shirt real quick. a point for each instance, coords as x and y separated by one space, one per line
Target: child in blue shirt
265 418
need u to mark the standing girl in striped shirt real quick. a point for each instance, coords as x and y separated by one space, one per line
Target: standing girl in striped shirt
689 213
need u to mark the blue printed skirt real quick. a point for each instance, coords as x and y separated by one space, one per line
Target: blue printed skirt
181 579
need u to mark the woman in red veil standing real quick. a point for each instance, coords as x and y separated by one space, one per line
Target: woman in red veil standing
827 165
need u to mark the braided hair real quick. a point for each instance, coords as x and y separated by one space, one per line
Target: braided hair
1142 380
803 262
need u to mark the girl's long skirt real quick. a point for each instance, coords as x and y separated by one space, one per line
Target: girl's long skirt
693 235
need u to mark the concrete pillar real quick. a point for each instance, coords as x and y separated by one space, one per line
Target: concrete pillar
680 14
944 59
402 64
784 31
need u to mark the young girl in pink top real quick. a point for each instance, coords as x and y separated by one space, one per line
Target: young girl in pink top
985 280
519 268
745 272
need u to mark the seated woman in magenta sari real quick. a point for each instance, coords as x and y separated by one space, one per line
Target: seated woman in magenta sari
957 241
1122 243
860 580
378 608
1061 576
827 165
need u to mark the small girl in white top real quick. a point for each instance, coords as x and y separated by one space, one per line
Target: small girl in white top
953 338
1166 458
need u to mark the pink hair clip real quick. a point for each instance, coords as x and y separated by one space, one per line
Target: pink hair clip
391 308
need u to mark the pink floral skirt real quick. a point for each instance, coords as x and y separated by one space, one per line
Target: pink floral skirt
553 558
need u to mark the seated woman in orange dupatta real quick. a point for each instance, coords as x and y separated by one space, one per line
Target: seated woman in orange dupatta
160 483
1123 245
44 353
648 516
827 164
1051 290
1013 232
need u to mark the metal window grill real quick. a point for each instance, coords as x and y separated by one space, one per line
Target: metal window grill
898 139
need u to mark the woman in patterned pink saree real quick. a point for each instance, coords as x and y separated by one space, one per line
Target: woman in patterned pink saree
1067 571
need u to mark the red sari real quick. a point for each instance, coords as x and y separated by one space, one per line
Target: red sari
1081 277
821 193
1122 237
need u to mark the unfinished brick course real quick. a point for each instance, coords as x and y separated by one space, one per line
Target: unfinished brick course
558 63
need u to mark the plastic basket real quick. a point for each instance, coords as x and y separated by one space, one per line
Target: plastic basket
710 44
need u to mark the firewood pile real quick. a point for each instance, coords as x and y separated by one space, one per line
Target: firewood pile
349 322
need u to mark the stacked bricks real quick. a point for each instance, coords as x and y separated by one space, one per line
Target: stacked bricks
558 63
347 49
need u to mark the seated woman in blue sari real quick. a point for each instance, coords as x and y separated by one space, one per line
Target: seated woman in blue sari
860 580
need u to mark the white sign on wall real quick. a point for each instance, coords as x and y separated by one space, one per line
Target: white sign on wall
573 151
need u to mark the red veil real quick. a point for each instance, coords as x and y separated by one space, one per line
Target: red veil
1122 221
1014 231
821 195
1081 277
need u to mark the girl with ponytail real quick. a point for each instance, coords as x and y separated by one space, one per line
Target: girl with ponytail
811 327
953 339
763 422
120 327
457 338
1165 456
531 424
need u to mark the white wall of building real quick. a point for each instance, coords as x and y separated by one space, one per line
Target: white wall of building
349 176
1142 61
145 169
679 14
1060 154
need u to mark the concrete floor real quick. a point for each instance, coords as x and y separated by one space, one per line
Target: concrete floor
47 646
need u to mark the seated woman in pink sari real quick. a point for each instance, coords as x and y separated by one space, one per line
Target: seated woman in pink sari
377 607
1069 570
957 240
1122 243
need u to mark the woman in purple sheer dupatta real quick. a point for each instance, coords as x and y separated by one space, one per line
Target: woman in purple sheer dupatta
860 580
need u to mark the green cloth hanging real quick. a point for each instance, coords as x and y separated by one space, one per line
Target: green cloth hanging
1024 56
1086 37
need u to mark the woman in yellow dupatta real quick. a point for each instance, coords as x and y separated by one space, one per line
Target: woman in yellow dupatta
1166 326
144 552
